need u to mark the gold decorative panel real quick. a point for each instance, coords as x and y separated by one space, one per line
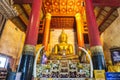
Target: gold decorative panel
63 22
63 7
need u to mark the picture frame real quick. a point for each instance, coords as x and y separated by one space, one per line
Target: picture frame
115 55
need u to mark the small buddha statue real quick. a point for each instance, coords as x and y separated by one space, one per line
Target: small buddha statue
113 68
63 48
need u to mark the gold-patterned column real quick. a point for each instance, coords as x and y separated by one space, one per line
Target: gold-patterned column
79 26
46 30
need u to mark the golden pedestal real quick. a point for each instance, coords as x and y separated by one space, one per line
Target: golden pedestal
63 57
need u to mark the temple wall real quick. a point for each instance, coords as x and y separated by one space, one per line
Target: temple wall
12 40
54 36
111 37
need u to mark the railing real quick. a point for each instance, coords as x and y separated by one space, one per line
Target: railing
91 64
35 62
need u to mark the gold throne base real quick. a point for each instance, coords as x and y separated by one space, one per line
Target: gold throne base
63 57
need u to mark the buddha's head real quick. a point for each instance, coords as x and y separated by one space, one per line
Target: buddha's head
63 37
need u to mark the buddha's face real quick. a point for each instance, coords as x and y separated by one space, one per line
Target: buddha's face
63 38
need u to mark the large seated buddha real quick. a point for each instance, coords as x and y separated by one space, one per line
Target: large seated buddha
63 50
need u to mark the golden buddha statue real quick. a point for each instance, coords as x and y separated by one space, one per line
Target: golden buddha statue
63 49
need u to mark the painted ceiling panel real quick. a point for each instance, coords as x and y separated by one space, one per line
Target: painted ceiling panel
63 6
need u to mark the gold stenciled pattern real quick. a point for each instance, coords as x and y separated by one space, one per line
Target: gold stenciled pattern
64 22
63 6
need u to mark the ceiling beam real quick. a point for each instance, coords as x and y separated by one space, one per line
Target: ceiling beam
22 14
113 3
25 13
27 8
99 12
19 23
107 16
23 1
62 15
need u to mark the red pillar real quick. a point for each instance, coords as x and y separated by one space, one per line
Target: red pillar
94 38
92 24
32 29
27 59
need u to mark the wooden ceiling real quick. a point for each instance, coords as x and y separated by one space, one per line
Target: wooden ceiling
63 12
105 16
